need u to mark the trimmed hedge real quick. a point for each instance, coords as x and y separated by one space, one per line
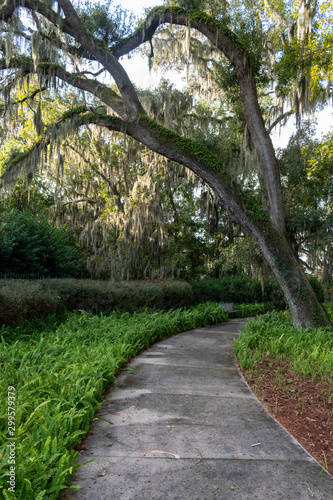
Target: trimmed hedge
20 299
26 299
237 289
245 290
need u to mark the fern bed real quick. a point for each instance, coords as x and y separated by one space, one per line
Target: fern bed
57 375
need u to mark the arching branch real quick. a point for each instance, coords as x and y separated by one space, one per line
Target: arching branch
8 7
97 49
102 54
221 37
282 117
224 40
28 161
103 92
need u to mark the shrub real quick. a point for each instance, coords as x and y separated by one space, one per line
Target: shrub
244 290
30 244
20 299
318 288
241 289
273 294
96 296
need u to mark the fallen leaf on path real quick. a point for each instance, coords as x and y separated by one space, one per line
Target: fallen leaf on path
166 453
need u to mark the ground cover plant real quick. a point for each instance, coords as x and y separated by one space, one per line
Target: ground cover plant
247 310
59 374
291 372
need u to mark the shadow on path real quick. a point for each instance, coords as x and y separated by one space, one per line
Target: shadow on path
186 426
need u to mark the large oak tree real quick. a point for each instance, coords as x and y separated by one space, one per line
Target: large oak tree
54 28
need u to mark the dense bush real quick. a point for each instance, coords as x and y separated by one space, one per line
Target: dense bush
318 288
243 289
273 294
30 244
21 299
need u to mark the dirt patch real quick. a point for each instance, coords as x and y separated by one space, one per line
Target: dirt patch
304 407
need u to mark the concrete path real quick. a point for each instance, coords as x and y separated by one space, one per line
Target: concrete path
187 427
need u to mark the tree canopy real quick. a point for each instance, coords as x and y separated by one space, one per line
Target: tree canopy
64 61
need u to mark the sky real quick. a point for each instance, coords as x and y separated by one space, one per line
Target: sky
137 69
137 6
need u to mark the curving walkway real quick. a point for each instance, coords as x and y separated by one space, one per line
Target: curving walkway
187 427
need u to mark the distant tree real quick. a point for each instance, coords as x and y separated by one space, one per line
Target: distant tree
31 245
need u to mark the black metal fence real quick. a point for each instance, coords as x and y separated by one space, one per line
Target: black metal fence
25 276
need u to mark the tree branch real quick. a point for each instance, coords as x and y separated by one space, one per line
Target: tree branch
8 7
100 51
280 119
69 122
290 25
103 92
31 96
97 49
221 36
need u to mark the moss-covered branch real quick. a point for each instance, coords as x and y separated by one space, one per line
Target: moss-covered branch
216 31
27 162
48 69
187 145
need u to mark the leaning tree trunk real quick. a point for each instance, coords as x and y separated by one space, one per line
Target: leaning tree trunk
305 308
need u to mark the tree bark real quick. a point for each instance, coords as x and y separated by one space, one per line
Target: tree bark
304 306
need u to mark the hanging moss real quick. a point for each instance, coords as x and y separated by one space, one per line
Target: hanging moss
20 157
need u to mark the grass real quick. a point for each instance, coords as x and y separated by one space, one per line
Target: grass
309 351
59 372
251 309
291 373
